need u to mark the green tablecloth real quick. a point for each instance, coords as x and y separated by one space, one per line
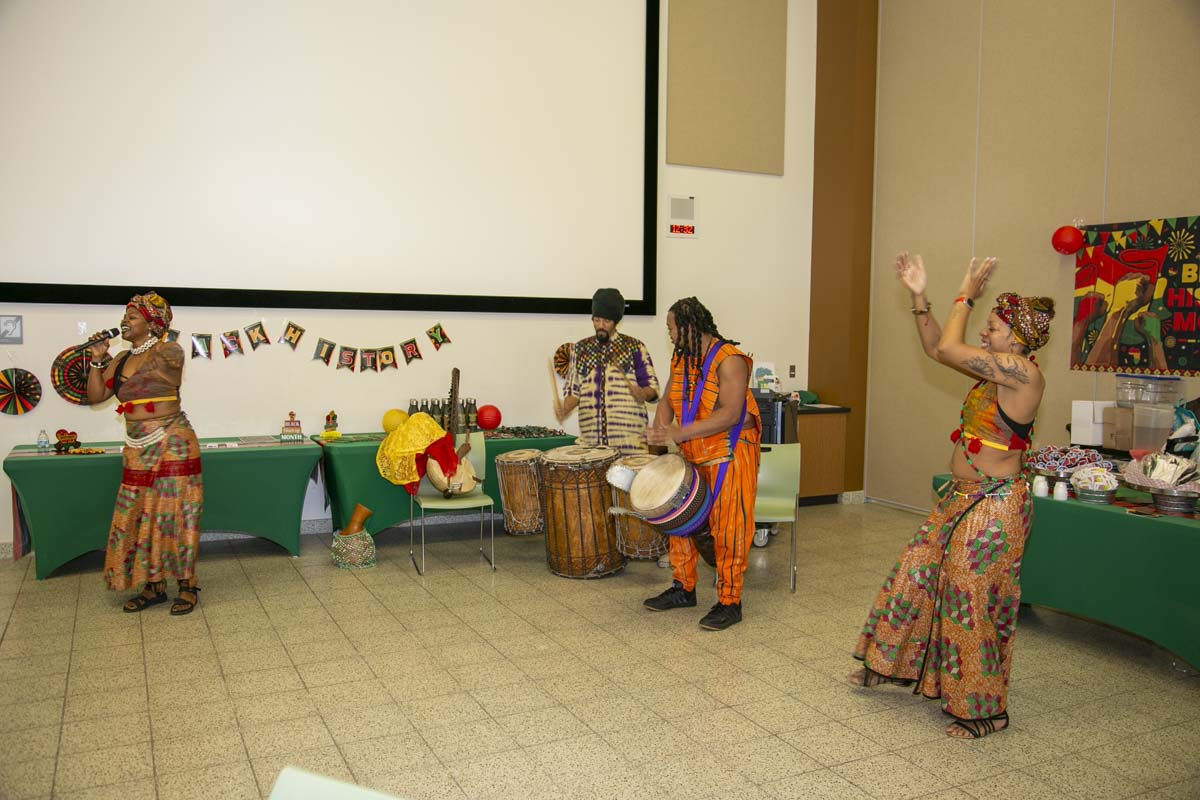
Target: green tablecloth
1133 572
352 477
67 501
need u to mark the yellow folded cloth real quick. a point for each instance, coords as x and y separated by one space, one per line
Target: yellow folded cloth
396 457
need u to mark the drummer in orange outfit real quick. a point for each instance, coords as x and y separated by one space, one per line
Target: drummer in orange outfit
703 361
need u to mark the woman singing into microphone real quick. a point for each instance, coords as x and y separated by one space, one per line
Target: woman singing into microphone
155 530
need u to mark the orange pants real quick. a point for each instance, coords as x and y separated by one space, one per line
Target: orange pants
731 523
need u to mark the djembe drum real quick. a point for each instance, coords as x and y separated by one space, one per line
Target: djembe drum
672 495
517 472
635 538
581 537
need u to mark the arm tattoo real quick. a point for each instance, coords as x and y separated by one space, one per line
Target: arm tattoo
980 366
1012 369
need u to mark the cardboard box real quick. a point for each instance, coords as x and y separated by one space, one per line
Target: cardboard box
1118 427
1087 421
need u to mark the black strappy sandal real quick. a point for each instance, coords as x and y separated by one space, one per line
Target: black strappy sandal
979 728
872 678
141 601
181 606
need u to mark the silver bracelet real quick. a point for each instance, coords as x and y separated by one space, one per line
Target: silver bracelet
99 364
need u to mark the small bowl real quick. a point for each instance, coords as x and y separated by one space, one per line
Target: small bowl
1100 497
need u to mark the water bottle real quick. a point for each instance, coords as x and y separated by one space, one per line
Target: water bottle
43 442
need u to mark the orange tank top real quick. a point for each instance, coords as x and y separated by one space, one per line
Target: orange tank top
715 447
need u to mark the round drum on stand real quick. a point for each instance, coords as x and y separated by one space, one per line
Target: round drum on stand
635 538
581 538
520 493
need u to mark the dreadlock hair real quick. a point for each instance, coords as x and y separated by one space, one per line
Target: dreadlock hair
693 320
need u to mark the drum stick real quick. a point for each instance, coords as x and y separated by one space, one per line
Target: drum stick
558 413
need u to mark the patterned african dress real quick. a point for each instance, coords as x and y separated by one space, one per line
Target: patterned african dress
155 529
599 375
946 616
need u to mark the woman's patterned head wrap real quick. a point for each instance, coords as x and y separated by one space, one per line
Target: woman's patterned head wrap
1029 317
154 309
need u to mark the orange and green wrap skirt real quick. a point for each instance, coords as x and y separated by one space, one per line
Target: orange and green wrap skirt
155 533
946 616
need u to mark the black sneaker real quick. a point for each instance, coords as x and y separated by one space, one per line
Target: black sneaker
675 597
722 616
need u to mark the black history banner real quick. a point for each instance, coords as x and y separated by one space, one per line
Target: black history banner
1136 308
348 357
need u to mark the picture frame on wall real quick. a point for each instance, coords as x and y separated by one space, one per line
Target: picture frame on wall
12 329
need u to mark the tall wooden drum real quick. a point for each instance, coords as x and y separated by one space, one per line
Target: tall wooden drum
581 538
635 538
520 490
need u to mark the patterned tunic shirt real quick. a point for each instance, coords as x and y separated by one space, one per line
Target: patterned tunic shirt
599 376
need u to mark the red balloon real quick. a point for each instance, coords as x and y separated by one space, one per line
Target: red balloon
488 417
1067 240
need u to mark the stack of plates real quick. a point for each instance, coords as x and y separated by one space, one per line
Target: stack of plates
1176 500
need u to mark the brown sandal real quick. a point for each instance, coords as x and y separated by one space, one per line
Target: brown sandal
182 605
155 592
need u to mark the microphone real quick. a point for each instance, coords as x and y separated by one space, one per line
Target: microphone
98 336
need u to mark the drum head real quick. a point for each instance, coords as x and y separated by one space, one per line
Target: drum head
636 462
657 481
525 454
574 455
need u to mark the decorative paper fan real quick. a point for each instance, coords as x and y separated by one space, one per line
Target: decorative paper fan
20 391
562 358
68 375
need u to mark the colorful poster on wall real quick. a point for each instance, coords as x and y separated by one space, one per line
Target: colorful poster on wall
1136 308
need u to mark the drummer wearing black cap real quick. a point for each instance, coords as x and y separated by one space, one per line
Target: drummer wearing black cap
610 379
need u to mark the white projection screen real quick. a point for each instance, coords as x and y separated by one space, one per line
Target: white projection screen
473 155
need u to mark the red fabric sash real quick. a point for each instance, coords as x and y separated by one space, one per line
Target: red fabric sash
171 469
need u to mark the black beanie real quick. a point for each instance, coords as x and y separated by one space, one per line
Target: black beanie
608 304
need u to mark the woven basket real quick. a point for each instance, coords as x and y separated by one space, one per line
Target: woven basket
1134 477
356 551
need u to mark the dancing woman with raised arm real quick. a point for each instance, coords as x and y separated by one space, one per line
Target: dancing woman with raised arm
945 619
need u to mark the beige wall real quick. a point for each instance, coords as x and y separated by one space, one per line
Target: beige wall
750 266
996 123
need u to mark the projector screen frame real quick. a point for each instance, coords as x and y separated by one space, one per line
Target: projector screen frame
117 294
